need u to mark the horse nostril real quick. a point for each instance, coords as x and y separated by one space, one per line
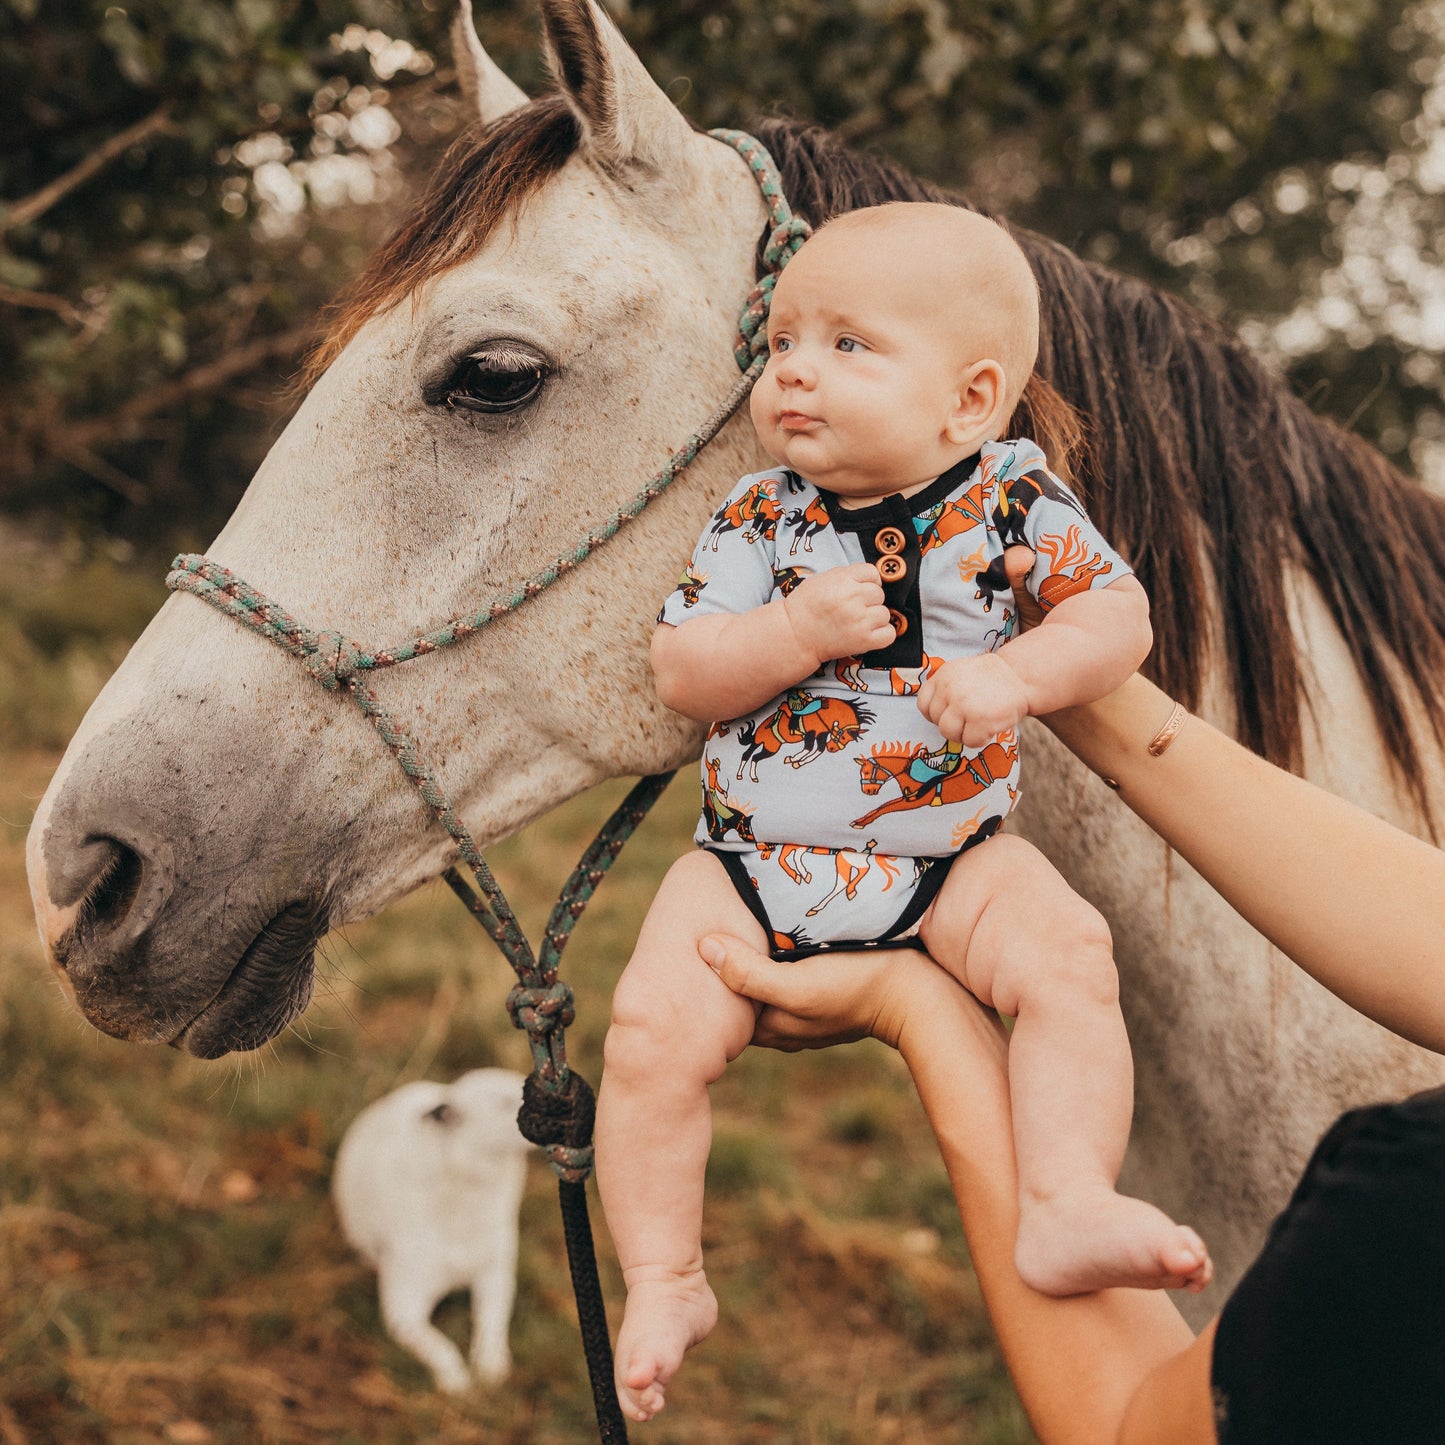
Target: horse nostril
109 898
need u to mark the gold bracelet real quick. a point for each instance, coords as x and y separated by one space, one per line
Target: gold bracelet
1166 735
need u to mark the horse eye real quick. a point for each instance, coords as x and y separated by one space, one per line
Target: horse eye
496 379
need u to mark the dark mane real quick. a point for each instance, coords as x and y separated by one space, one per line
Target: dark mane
1210 477
1197 462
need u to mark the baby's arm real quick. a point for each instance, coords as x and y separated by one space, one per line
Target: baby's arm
726 666
1086 646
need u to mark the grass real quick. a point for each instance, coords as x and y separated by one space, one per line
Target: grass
171 1270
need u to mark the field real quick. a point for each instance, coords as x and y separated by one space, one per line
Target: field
171 1272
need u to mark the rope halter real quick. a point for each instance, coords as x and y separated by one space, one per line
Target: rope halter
786 235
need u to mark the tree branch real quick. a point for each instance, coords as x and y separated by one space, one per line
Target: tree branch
41 301
36 205
121 483
98 430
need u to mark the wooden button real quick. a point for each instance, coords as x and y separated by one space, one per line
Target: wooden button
889 540
899 621
892 568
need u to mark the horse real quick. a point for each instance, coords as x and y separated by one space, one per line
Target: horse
816 725
554 314
930 787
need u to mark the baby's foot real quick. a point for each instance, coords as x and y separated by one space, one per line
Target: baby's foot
665 1317
1092 1238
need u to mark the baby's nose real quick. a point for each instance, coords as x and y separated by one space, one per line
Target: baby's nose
792 370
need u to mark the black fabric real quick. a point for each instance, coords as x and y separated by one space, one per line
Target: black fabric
1336 1335
896 510
924 894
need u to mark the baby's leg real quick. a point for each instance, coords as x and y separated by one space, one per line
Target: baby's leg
674 1027
1022 941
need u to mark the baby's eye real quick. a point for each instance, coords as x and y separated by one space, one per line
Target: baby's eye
847 343
779 344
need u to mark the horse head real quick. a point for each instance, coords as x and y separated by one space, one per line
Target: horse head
536 341
884 761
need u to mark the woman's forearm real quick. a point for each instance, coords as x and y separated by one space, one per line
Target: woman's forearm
1082 1366
1354 901
1077 1363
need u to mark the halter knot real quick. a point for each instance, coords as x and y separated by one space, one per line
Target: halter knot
784 242
560 1121
335 659
541 1010
787 234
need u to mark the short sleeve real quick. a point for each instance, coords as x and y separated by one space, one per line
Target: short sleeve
731 569
1035 508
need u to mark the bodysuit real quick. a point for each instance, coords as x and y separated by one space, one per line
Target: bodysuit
838 807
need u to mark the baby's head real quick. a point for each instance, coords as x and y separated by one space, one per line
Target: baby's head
901 338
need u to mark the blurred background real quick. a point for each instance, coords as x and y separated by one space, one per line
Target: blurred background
183 185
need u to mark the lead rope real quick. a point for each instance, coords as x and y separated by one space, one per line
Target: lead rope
557 1103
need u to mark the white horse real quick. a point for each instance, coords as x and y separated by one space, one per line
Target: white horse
551 323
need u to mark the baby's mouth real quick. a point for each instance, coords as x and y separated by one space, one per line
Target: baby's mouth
796 421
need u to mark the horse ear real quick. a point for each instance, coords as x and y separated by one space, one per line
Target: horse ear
485 86
626 117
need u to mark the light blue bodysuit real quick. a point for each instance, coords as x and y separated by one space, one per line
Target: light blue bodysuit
838 807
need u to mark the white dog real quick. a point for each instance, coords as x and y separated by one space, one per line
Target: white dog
428 1183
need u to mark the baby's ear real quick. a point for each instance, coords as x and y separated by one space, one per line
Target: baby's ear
976 416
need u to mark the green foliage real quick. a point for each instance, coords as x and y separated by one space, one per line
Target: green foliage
155 302
68 613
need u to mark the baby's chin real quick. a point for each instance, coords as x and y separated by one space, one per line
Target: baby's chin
784 452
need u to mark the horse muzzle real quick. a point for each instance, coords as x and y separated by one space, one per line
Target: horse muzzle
148 952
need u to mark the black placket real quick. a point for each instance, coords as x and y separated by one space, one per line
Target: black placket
901 596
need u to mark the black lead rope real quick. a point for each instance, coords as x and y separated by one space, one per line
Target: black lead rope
558 1105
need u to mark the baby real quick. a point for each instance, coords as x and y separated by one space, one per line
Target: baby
848 613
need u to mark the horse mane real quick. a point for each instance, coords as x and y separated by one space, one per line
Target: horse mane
901 749
1197 462
1211 477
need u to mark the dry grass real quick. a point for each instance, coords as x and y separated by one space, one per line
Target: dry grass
171 1272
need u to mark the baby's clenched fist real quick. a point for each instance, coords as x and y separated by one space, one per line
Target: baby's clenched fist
840 612
973 699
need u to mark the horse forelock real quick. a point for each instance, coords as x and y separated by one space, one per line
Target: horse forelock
487 174
1211 477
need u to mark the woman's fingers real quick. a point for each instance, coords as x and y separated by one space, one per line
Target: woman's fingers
742 968
810 1003
1018 562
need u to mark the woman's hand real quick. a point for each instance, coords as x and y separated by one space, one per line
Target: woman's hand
1018 562
898 995
812 1002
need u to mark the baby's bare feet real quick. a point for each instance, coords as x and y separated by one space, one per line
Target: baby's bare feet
667 1314
1092 1238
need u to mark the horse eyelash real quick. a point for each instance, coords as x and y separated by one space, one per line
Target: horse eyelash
502 357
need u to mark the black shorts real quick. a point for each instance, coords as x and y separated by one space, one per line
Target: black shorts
1336 1335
